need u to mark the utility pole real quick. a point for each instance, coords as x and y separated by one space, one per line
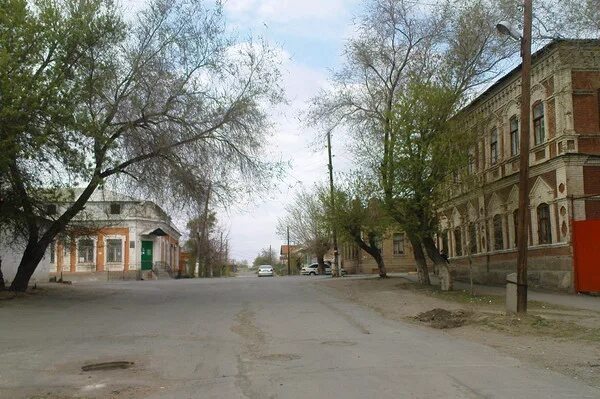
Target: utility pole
523 236
336 271
288 251
505 28
203 234
270 256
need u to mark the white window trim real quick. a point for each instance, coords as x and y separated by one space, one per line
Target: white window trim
85 266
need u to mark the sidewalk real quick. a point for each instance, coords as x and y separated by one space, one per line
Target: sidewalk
579 301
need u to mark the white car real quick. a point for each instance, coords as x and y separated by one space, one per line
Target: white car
310 270
313 269
265 271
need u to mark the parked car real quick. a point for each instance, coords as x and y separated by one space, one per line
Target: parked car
265 271
310 270
328 269
313 269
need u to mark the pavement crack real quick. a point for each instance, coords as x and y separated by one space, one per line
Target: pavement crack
348 317
253 342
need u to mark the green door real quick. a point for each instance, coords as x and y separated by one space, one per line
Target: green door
147 255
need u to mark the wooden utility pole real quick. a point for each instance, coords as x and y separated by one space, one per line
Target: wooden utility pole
203 234
336 271
288 251
523 236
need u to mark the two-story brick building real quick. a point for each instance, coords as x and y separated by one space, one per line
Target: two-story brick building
480 221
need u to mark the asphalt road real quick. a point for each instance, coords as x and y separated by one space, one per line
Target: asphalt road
244 338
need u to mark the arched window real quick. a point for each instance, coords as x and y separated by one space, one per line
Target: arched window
516 224
543 216
498 234
457 242
472 238
539 132
514 135
494 147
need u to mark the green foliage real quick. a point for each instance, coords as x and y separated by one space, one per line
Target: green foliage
426 149
358 214
266 257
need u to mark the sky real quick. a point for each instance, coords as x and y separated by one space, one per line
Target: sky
311 35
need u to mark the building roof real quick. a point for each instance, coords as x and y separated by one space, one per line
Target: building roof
536 56
285 249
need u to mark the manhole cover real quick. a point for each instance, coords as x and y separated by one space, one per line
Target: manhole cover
107 366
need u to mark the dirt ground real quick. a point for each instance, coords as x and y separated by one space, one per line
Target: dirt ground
562 339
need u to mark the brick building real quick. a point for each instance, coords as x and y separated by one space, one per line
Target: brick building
396 251
120 238
480 218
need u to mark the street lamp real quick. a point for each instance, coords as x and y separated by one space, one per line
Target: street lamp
506 28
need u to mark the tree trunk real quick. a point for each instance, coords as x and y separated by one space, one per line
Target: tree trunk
440 262
35 250
375 253
33 254
2 283
321 262
419 255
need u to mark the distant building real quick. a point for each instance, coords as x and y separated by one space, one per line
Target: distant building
396 252
115 237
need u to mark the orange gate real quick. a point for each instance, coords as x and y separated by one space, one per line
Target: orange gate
586 254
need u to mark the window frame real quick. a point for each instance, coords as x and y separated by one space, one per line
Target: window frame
473 238
115 208
79 249
539 128
110 248
396 251
458 241
498 232
544 224
494 154
514 134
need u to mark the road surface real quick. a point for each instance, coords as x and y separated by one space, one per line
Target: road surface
244 337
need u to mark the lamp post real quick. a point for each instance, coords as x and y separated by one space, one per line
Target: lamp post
523 217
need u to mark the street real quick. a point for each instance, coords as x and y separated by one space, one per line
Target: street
244 337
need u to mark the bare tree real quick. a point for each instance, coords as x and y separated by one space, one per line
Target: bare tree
152 97
306 219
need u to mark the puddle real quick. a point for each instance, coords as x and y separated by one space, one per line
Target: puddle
107 366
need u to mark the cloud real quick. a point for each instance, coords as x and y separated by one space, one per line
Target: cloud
288 10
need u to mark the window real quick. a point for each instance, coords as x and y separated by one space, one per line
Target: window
543 215
471 165
85 250
445 241
514 136
472 238
115 209
494 147
516 223
114 251
398 244
538 123
52 252
498 233
457 242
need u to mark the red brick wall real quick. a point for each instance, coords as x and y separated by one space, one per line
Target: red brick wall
585 101
589 145
591 185
591 180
